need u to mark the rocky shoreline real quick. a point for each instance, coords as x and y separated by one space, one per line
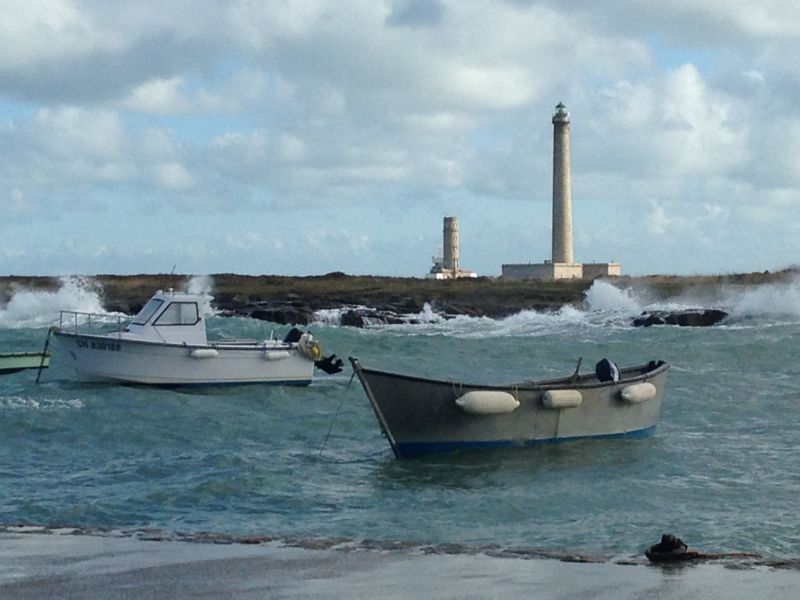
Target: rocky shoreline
370 300
361 300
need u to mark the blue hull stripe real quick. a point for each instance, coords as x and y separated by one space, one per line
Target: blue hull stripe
407 450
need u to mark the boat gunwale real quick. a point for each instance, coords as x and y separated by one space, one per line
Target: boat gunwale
563 382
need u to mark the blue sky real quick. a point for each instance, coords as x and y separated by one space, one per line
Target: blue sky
313 136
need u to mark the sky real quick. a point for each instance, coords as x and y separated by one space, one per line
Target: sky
311 136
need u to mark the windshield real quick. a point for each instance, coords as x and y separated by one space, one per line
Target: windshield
179 313
147 312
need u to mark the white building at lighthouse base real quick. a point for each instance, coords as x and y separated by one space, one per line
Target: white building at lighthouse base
550 271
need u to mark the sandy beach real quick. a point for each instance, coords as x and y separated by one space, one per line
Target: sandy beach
108 566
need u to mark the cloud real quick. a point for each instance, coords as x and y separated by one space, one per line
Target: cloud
660 223
415 13
159 96
35 33
684 113
173 175
173 96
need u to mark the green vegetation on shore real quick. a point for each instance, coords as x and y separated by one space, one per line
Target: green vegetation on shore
481 296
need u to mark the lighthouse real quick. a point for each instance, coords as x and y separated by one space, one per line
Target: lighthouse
562 263
562 189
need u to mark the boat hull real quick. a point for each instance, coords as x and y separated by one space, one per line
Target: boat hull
11 362
421 416
108 358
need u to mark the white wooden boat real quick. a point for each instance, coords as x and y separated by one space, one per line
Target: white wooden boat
420 416
11 362
166 344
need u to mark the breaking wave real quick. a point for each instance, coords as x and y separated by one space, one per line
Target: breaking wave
605 305
39 308
42 308
780 300
201 285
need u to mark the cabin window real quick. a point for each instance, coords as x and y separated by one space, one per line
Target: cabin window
179 313
147 311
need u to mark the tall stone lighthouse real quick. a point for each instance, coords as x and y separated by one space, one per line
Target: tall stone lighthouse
562 263
562 189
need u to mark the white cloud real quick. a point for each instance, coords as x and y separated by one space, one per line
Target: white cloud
492 88
73 131
334 240
173 175
658 222
291 148
250 241
700 124
686 113
159 96
32 33
158 144
172 96
261 25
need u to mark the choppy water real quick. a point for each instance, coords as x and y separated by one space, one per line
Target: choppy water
722 471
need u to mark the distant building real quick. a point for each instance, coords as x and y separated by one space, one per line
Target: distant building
447 265
562 264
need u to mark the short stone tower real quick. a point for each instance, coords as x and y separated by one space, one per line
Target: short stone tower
447 266
451 249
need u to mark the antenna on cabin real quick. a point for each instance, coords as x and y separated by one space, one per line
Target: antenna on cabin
173 270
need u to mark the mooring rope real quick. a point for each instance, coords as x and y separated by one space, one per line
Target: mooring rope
44 355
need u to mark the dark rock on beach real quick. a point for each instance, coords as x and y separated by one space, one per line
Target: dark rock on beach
699 317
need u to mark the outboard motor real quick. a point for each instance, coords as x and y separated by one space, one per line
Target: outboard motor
606 371
331 364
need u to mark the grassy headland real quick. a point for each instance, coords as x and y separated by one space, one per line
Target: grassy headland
492 297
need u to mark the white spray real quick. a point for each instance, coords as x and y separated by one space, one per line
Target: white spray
36 308
202 285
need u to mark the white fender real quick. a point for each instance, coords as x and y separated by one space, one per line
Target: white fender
562 399
487 402
204 353
638 392
276 354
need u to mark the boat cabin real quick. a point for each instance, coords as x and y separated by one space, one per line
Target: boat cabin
172 318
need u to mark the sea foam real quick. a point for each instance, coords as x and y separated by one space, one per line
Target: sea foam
36 308
780 300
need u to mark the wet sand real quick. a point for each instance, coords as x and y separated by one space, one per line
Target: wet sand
108 566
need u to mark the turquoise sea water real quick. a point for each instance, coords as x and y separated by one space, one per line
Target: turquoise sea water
722 470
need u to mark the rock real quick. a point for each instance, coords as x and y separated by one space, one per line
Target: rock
669 549
695 317
353 318
287 315
371 317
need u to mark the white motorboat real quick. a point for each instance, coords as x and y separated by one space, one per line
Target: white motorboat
166 344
